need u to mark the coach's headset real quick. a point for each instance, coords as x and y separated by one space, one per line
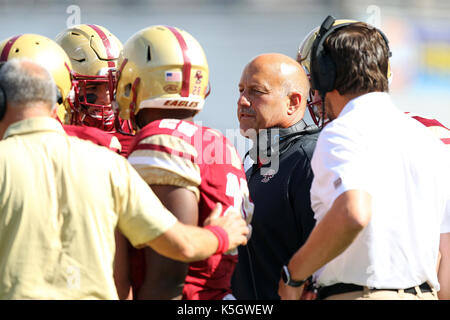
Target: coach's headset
2 98
323 69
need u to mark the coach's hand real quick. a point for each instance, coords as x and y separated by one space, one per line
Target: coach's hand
289 293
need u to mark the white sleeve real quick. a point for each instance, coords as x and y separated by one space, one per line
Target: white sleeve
445 222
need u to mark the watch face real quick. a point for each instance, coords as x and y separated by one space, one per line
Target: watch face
285 274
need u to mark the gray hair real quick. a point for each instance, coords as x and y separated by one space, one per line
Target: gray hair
26 82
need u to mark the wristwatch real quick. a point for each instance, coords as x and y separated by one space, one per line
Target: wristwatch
286 276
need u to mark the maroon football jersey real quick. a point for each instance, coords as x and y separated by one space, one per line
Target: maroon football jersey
94 135
125 142
441 131
185 153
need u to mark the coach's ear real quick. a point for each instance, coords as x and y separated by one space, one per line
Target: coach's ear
54 110
296 105
295 102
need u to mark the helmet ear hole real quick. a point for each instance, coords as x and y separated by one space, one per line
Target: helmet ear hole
127 90
149 54
59 97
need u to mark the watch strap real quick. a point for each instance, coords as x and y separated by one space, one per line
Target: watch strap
286 276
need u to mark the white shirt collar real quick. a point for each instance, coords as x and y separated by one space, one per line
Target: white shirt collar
368 99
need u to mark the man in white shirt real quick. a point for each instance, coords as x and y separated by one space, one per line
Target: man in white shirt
381 188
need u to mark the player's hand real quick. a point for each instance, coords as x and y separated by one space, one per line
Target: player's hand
232 222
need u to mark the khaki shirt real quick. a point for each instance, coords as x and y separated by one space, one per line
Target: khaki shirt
60 201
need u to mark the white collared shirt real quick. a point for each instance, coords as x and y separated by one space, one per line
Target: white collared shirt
375 147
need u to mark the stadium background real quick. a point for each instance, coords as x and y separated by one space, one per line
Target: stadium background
234 31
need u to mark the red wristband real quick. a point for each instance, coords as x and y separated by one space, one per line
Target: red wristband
222 236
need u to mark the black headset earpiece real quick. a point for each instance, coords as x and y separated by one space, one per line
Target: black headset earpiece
2 98
2 102
323 69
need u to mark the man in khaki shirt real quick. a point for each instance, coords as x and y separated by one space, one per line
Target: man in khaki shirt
61 199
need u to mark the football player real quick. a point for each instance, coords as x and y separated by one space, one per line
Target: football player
162 85
93 51
49 54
